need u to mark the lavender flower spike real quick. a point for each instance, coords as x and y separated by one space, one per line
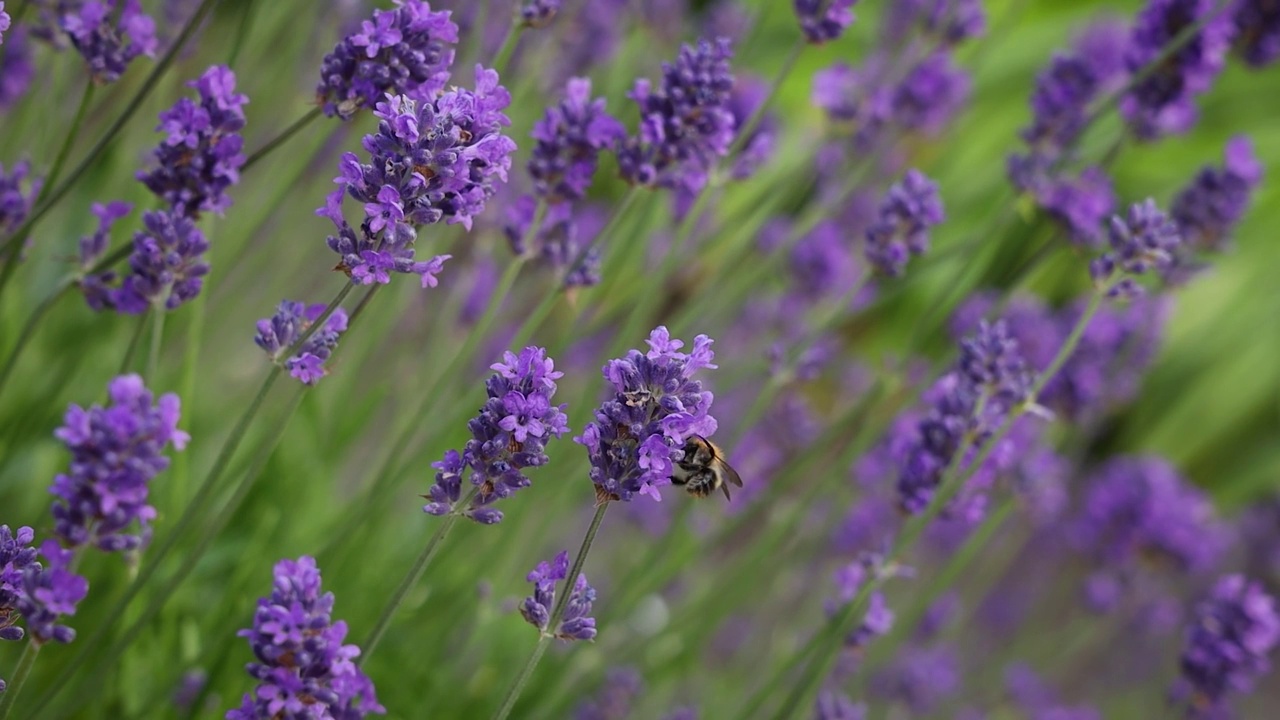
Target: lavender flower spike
403 51
166 269
279 332
49 592
1228 645
824 20
538 13
201 157
1257 36
109 34
303 669
911 207
17 192
510 434
1147 239
569 139
639 434
1208 209
116 451
537 608
16 554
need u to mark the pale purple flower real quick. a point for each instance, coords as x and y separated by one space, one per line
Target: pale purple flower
279 332
50 590
576 623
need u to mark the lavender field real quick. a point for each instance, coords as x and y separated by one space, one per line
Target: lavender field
639 359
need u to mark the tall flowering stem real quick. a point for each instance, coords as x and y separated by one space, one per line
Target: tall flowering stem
20 674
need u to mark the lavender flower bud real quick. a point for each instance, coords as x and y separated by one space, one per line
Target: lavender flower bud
1209 208
430 160
166 269
640 433
538 13
878 619
824 20
201 157
557 241
1228 645
910 208
16 554
537 608
569 139
748 94
302 667
1064 90
50 591
15 201
1163 102
279 332
5 20
510 434
1257 32
1147 240
116 451
685 125
403 51
17 69
930 95
92 247
109 34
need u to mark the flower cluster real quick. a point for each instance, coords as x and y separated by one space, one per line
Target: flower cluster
166 269
1228 644
403 51
279 332
639 434
1163 102
557 242
430 161
116 451
510 434
1146 240
1209 208
201 156
17 68
18 190
685 124
538 13
16 554
989 381
49 591
878 619
824 20
1257 32
576 624
109 34
568 141
901 230
302 667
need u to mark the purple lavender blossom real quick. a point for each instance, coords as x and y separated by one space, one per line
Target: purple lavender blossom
1257 32
510 433
1146 240
1228 646
302 667
639 434
537 608
17 68
98 289
1209 208
1164 102
430 161
855 97
1078 204
685 124
747 96
538 13
908 210
166 269
5 20
822 264
824 20
621 687
931 94
16 554
116 451
569 139
50 591
919 678
838 706
878 618
109 34
279 332
403 51
18 191
557 243
989 381
201 157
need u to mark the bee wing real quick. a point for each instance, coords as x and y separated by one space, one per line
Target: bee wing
730 474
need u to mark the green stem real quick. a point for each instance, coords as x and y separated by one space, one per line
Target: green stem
242 32
134 342
415 574
561 602
284 136
20 675
748 127
157 342
508 47
135 103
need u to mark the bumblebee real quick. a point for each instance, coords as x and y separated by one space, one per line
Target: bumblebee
703 469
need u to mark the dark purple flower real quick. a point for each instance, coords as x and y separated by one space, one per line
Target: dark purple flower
930 95
17 68
50 591
1208 209
16 554
685 123
201 156
569 139
1147 240
403 51
919 678
947 21
1228 645
558 241
1163 102
18 191
1257 31
303 669
824 20
166 269
109 35
116 451
613 702
510 434
656 407
1078 205
908 210
538 13
537 608
279 332
430 161
838 706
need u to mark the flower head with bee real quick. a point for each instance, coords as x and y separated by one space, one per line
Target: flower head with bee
640 433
